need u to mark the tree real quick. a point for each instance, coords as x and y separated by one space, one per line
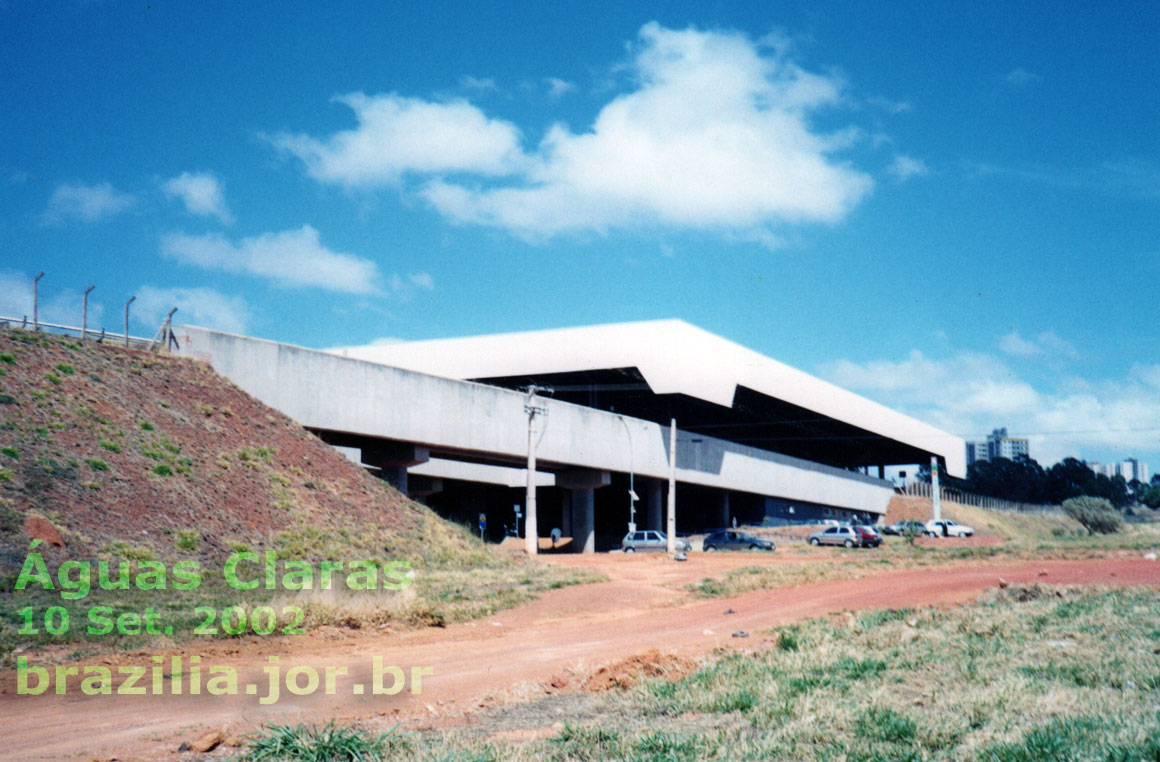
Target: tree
1020 480
1096 514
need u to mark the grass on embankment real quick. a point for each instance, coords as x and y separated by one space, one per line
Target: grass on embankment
1073 675
455 578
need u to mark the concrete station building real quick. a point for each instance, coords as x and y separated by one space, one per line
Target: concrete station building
446 421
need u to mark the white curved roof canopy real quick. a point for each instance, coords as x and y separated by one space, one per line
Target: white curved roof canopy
674 357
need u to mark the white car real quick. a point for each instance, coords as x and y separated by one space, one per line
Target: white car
948 528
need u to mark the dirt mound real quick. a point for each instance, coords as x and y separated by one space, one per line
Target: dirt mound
651 663
123 448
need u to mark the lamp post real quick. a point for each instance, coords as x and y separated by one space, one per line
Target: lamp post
632 496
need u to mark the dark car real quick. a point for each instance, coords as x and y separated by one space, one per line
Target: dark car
913 526
730 539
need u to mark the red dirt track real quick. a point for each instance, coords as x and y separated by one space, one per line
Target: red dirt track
573 629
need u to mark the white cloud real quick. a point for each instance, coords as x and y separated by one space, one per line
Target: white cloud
204 307
15 294
477 83
1047 344
1020 77
87 203
717 133
397 135
971 393
202 194
293 258
422 280
558 87
888 105
905 167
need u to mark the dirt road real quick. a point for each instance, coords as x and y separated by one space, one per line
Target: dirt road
568 631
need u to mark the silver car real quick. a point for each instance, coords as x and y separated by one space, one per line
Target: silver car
650 539
843 535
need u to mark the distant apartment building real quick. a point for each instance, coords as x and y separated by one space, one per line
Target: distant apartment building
1132 469
977 451
1129 469
997 445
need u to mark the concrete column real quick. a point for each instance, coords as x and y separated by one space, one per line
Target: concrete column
583 520
394 458
566 514
655 505
723 519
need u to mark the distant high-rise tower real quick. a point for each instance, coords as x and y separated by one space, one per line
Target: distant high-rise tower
977 451
999 445
1132 469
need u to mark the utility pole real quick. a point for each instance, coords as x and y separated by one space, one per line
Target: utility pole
36 302
672 517
531 530
934 488
131 298
85 313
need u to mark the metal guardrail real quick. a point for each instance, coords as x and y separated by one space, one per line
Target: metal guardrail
88 334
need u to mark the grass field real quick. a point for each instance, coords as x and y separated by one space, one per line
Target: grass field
1031 674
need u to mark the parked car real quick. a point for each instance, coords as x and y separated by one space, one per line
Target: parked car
844 535
731 539
904 526
947 528
870 536
651 539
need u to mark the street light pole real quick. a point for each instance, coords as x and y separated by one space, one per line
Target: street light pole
85 313
131 298
632 498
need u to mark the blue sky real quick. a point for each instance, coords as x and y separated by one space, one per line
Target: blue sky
952 209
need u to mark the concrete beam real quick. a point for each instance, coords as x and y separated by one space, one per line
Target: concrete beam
422 486
583 479
384 453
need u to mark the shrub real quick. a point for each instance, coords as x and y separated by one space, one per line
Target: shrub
7 399
187 540
1095 514
309 743
11 452
163 470
7 358
52 378
97 464
67 370
110 445
145 425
